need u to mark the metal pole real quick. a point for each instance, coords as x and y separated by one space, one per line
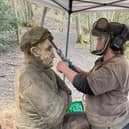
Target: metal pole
67 36
68 30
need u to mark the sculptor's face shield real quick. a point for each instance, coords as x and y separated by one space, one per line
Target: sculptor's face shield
99 37
99 44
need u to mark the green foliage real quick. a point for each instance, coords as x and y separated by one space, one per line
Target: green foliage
3 44
8 21
127 50
81 40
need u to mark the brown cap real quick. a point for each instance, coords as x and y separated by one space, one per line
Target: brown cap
35 36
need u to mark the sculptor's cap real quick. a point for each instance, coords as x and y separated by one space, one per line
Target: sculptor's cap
35 36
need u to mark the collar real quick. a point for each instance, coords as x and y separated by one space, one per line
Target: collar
38 64
100 61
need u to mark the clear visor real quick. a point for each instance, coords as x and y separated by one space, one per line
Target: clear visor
98 44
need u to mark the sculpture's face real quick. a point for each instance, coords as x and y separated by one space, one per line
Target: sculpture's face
45 52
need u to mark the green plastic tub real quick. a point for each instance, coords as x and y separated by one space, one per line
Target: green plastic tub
76 106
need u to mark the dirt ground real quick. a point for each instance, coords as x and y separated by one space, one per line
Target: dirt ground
11 58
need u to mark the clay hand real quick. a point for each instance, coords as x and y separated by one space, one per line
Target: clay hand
61 66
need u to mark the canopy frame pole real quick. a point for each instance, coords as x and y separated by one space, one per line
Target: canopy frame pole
67 36
60 5
68 27
68 31
98 4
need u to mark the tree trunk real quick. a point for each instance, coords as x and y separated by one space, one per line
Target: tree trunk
14 2
29 13
43 16
78 28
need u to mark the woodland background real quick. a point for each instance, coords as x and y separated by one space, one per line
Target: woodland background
18 16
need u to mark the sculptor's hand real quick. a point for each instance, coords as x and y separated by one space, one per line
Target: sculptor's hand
62 66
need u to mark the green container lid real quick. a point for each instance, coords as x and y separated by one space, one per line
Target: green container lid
76 106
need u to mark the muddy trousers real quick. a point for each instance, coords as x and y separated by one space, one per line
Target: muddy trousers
80 121
125 127
75 121
113 127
